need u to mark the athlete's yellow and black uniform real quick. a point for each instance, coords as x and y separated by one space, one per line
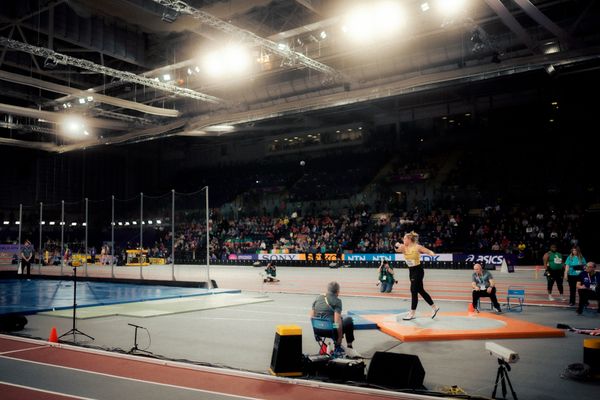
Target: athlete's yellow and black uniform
416 274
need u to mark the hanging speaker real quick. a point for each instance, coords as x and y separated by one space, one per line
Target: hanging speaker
397 371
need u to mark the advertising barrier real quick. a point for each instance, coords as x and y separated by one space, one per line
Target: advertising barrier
486 258
395 257
248 257
333 257
491 261
9 253
281 257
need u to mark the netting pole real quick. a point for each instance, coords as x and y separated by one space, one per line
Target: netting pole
20 223
41 251
141 232
62 234
209 283
173 234
85 255
112 237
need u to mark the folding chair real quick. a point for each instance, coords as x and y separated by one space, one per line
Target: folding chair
515 293
323 329
479 303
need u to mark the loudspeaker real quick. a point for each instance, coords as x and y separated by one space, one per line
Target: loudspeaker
344 369
12 322
398 371
286 359
314 365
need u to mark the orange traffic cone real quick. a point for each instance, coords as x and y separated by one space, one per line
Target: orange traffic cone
471 309
53 336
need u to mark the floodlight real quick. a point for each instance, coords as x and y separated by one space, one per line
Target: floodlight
212 64
358 24
388 17
235 59
450 7
73 124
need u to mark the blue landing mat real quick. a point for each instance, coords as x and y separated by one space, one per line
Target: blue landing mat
361 323
30 297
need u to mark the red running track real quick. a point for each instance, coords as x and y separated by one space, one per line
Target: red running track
171 374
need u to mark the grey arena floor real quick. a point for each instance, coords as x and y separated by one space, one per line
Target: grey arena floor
241 336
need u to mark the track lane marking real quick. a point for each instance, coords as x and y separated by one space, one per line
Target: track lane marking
45 391
127 378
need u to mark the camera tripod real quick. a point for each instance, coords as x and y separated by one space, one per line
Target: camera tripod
74 331
135 349
502 375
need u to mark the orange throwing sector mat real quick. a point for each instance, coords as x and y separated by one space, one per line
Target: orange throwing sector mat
460 326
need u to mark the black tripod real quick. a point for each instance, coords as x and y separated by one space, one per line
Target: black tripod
74 331
135 348
502 376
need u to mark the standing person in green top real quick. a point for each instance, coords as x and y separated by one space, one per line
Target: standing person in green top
386 277
575 263
553 262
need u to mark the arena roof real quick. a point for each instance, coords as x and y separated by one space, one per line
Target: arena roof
82 73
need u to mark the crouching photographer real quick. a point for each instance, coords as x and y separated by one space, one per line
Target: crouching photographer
386 277
271 273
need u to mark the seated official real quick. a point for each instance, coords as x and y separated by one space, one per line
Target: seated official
484 286
587 287
329 306
386 277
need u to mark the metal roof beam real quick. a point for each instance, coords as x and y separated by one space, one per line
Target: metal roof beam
63 59
28 81
283 51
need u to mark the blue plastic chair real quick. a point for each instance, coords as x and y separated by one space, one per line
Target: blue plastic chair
515 293
323 329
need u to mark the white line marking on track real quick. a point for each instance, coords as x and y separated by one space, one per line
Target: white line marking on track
26 349
130 379
44 391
